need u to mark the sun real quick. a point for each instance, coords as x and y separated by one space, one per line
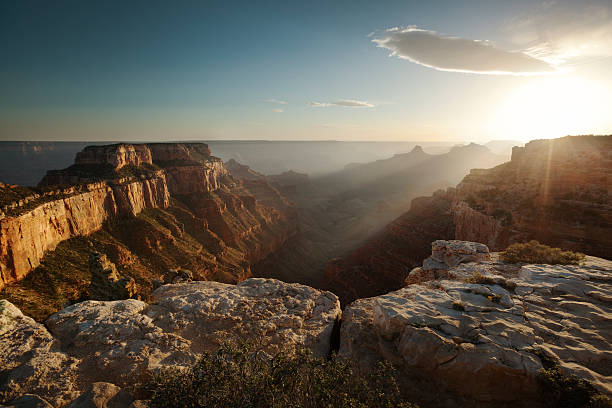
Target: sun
553 107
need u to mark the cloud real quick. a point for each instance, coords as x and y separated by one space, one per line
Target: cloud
278 110
278 101
565 31
347 103
446 53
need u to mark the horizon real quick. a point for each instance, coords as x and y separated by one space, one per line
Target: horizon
398 72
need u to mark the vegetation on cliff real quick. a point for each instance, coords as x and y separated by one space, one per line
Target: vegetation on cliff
536 253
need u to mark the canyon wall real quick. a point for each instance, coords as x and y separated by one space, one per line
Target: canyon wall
119 181
25 238
556 191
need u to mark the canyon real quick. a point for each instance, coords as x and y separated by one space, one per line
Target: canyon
556 191
137 258
189 211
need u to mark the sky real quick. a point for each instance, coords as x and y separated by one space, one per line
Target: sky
304 70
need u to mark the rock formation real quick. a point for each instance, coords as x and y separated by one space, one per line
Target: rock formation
482 330
28 234
95 347
156 206
556 191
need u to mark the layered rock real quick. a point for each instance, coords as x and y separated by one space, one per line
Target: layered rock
211 211
26 237
480 332
119 342
444 256
116 156
556 191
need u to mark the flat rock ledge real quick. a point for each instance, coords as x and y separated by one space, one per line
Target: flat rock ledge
477 332
92 349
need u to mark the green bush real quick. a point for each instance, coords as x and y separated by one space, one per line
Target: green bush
238 376
534 252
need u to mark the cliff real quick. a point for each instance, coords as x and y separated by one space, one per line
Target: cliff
26 236
150 208
556 191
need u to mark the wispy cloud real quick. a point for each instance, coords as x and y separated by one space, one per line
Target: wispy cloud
278 110
565 31
447 53
347 103
278 101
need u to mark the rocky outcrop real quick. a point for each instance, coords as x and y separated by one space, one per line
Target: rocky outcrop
106 282
556 191
119 342
444 256
116 156
482 330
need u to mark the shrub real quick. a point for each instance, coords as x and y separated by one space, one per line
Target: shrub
534 252
562 391
238 376
477 277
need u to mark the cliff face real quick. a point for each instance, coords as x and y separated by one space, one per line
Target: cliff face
164 205
25 238
117 156
556 191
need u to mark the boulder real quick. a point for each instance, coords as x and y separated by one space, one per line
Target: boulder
445 255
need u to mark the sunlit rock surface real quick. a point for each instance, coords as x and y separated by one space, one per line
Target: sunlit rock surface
119 342
479 331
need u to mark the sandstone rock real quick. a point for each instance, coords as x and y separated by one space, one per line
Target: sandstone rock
24 239
121 341
116 156
479 339
102 395
556 191
31 359
454 252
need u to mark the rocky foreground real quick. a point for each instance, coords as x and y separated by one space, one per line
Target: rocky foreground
467 330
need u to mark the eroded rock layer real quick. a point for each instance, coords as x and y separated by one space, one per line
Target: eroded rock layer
556 191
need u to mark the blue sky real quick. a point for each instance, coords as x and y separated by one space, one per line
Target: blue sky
153 70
